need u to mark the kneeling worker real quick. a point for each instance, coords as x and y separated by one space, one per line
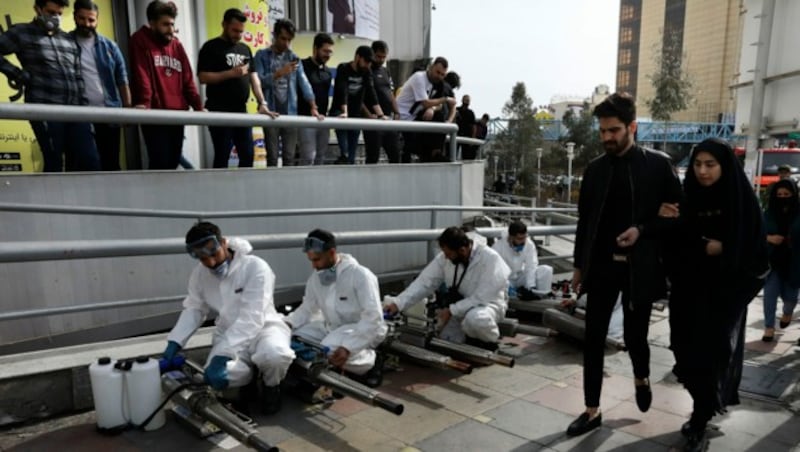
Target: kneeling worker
238 287
477 280
346 294
528 278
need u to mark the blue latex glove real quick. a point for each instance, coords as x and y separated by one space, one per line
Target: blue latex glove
216 374
172 349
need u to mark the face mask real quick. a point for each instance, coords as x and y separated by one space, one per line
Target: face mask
518 248
221 270
327 276
51 23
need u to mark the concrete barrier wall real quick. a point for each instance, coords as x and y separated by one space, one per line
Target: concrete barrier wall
41 284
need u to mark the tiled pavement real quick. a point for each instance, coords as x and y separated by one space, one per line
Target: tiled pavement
525 408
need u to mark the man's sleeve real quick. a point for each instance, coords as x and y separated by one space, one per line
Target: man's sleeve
425 284
140 63
370 96
671 192
121 72
308 307
370 326
418 89
583 219
340 90
193 315
189 87
9 44
305 85
263 69
204 59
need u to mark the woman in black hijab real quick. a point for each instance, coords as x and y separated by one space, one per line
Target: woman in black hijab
782 221
717 261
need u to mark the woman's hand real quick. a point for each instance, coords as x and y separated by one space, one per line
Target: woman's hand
669 210
775 239
713 247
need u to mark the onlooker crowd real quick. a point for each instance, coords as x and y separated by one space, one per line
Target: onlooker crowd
83 67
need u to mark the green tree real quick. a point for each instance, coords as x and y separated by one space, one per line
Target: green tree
516 145
584 134
672 83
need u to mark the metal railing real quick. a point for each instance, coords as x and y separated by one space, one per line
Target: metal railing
68 113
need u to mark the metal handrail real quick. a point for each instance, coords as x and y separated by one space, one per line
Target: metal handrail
14 252
71 113
128 212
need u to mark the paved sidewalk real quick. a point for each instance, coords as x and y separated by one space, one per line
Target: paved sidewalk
525 408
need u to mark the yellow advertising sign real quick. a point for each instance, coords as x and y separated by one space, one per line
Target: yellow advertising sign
18 148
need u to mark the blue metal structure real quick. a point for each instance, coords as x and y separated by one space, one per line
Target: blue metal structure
657 132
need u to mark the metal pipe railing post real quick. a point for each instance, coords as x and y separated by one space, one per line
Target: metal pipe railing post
549 221
432 248
453 146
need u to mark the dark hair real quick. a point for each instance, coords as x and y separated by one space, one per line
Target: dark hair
284 24
201 230
453 79
617 105
320 39
85 4
454 238
325 236
440 60
42 3
485 116
380 46
234 14
156 9
517 227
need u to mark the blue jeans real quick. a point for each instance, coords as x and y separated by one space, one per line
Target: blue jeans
773 287
72 139
226 137
348 143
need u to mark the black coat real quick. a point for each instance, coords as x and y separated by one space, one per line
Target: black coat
653 182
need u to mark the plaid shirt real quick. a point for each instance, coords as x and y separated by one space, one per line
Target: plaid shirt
52 64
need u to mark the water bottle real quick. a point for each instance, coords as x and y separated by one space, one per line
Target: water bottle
107 383
233 160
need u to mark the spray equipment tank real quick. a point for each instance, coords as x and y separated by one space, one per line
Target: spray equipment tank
107 391
143 391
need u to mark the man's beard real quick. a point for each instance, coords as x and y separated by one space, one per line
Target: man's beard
164 39
613 147
85 31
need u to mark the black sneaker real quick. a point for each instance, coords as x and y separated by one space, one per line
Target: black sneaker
270 399
697 442
342 160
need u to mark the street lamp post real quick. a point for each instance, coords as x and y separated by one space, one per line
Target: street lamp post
496 158
570 156
538 175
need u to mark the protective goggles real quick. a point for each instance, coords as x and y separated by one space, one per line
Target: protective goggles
314 244
205 247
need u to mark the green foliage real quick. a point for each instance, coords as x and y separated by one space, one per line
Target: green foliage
584 134
673 85
516 146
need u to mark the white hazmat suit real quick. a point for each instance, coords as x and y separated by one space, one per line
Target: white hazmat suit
346 313
249 330
525 269
483 287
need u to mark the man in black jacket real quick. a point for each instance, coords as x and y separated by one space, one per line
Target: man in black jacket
617 248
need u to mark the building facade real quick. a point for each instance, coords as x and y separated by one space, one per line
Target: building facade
709 34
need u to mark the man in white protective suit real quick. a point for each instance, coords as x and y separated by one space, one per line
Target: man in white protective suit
341 309
238 287
528 279
476 278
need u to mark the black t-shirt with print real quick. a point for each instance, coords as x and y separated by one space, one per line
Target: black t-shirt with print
354 89
218 55
384 88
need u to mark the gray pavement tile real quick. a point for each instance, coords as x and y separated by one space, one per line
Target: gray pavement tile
348 435
672 399
763 420
415 424
654 425
509 381
528 420
606 439
464 397
475 436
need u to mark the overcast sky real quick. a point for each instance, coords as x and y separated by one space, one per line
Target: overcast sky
556 47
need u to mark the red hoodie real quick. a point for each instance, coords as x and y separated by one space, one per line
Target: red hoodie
162 74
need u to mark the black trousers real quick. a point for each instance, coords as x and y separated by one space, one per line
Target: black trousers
106 137
224 138
164 145
609 280
374 140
